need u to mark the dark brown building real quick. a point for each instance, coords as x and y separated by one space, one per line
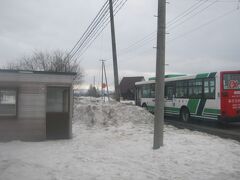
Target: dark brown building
127 87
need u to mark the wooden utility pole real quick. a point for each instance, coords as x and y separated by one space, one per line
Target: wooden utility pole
102 93
160 72
106 82
114 53
104 68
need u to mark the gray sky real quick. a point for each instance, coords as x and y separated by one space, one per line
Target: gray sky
27 25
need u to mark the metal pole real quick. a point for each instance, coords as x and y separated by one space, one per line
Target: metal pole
102 79
160 72
114 53
106 80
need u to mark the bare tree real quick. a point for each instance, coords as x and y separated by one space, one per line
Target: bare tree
56 61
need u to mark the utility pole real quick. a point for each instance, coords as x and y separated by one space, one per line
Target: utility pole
105 74
106 80
102 80
160 72
114 53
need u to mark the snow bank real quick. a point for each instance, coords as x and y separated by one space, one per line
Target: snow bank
114 141
96 112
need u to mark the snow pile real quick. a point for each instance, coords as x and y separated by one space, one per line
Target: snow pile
114 141
96 112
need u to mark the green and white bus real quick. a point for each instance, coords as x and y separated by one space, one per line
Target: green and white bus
214 96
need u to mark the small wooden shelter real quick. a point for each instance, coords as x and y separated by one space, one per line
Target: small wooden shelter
35 105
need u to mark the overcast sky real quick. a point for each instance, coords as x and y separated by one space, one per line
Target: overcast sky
207 39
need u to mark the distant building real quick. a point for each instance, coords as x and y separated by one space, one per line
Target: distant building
127 86
35 105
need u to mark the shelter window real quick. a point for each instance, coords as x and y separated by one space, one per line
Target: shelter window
58 99
8 102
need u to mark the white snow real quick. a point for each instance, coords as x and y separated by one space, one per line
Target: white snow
114 141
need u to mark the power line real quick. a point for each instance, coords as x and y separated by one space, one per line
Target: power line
99 25
195 29
204 24
187 11
138 42
86 31
150 37
198 12
96 22
104 25
101 28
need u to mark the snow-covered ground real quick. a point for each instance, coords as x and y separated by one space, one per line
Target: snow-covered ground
114 141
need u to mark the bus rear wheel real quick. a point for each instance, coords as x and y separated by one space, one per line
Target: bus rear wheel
144 106
184 115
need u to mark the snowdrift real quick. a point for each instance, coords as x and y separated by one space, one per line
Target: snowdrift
96 112
113 141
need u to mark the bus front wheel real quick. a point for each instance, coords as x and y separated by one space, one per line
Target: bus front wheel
184 115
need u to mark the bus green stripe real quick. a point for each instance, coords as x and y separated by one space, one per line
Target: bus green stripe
212 74
175 113
174 109
212 111
207 114
208 117
201 106
150 108
203 75
171 111
211 117
192 105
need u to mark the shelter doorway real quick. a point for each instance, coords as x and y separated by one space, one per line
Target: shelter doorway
57 113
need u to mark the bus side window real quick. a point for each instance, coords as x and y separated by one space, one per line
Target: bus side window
146 91
169 92
195 89
182 89
209 88
152 91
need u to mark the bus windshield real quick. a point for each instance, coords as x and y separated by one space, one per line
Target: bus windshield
231 81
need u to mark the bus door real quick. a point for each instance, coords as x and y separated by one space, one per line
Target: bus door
230 94
138 95
169 94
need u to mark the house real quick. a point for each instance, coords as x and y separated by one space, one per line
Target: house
127 86
35 105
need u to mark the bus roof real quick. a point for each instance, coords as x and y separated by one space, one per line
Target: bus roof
169 76
182 77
